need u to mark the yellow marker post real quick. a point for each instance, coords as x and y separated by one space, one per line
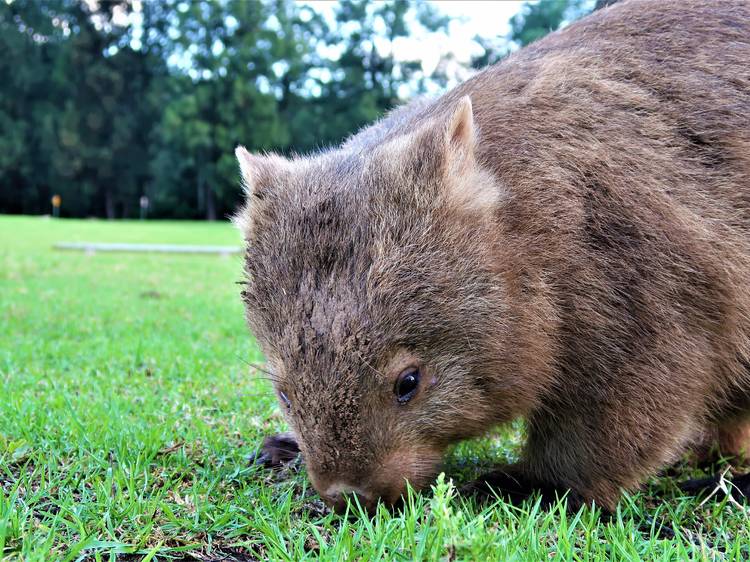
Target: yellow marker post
56 202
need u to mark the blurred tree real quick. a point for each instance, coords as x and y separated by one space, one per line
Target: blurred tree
73 114
99 151
366 77
27 94
116 99
254 73
536 20
241 65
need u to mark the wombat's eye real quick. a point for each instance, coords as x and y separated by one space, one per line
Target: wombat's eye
406 385
285 399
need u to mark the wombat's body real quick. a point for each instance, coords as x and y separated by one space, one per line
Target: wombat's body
572 245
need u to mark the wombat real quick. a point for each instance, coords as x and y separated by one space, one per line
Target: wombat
565 238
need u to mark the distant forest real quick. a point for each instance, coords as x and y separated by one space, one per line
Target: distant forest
103 102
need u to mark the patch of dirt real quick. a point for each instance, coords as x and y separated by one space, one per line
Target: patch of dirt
151 295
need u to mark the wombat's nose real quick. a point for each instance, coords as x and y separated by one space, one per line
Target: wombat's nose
336 494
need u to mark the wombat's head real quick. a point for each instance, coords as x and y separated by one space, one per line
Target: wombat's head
372 291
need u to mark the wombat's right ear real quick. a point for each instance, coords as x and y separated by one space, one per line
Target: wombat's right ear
260 174
247 164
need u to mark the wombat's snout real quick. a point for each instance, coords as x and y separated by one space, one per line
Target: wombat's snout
403 467
335 496
335 489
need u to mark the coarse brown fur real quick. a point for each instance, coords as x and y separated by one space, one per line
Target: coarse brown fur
564 237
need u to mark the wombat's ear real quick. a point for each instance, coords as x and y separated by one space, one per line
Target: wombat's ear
469 186
247 165
259 173
460 136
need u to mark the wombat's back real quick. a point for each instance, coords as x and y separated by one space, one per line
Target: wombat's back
653 94
624 143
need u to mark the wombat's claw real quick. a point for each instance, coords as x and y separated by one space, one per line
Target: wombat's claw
276 451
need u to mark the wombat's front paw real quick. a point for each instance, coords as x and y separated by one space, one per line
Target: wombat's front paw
277 450
498 483
514 487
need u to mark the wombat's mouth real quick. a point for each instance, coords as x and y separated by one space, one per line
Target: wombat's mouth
339 499
345 499
399 470
354 505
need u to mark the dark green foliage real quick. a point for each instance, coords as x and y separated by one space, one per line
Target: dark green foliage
102 102
73 108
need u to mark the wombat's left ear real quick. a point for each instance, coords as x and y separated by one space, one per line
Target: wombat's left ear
470 187
460 136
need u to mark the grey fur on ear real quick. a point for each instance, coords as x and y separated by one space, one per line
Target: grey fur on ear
470 188
460 134
244 159
249 167
259 175
260 171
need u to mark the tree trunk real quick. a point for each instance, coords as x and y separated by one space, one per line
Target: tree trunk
109 203
200 190
210 203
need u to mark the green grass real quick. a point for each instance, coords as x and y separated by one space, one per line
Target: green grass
128 413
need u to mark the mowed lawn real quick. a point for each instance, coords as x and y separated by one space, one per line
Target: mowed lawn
129 411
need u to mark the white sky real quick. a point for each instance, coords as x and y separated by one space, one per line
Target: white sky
472 17
469 18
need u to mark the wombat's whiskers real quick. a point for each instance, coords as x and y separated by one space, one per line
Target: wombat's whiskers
264 374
